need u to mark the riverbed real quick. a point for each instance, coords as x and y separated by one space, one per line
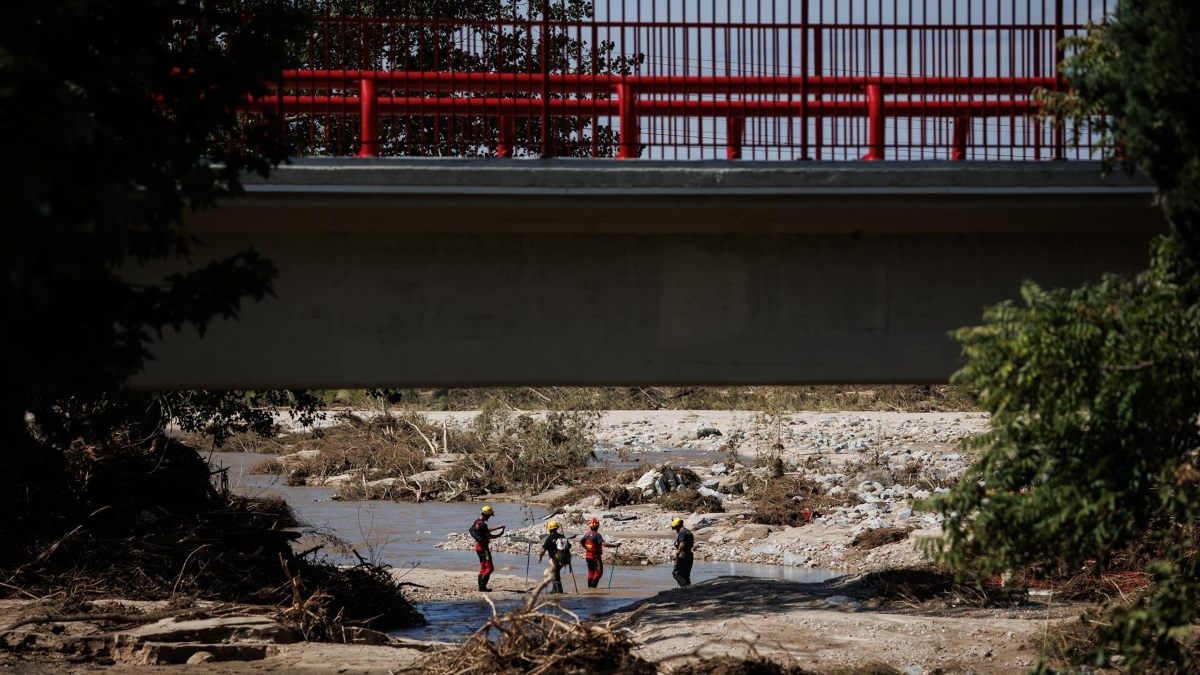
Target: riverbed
404 535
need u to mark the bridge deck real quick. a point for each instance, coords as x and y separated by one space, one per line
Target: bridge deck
457 272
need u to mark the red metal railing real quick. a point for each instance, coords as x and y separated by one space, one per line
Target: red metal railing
679 79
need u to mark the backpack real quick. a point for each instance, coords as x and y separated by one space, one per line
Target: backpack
563 553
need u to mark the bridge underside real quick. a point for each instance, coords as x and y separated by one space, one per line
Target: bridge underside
453 273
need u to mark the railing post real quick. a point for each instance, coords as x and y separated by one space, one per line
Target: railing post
962 125
507 133
1060 130
627 110
734 128
547 138
875 125
369 141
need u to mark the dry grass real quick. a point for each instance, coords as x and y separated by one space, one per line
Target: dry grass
783 501
521 453
689 501
880 536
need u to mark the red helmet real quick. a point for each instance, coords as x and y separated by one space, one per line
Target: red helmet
594 523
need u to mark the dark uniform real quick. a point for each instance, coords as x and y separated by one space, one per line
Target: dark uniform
558 559
483 539
684 541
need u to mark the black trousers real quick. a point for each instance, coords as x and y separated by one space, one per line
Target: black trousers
683 569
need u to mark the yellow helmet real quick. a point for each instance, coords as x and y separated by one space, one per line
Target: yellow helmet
552 525
487 511
676 522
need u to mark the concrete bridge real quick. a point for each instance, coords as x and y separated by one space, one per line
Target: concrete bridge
478 272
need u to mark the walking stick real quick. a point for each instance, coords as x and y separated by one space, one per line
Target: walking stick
572 568
528 553
614 571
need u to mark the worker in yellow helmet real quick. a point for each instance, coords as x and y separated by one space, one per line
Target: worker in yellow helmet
684 542
559 549
482 534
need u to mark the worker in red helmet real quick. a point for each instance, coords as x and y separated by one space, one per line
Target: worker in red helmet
483 535
593 547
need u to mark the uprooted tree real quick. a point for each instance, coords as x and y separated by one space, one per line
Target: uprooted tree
1093 459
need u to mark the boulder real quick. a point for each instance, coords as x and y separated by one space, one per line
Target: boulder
708 492
719 469
730 485
748 532
705 432
648 480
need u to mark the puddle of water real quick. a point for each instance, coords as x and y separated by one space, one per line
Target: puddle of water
402 534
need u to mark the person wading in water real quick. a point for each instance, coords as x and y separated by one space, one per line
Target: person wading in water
593 547
483 536
684 541
559 549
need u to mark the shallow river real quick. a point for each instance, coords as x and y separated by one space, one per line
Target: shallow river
403 534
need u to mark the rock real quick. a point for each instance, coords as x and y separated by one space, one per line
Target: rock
710 483
867 508
215 630
705 432
598 502
384 482
748 532
648 479
336 479
661 486
841 601
201 657
904 514
719 469
730 485
707 492
765 549
921 494
296 458
794 560
914 670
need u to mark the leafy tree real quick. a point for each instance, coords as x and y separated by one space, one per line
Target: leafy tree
512 45
1091 461
117 118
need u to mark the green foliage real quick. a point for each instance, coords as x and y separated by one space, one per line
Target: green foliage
1094 394
515 47
1136 83
116 121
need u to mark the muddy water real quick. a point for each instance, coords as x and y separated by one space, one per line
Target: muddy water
403 534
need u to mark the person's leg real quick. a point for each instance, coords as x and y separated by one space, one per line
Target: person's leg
685 570
483 564
591 572
557 587
676 572
487 574
599 571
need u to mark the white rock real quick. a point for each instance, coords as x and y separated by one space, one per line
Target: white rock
648 479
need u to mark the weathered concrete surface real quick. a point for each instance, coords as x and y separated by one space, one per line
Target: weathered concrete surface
455 273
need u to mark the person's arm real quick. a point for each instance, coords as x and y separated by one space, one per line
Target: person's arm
497 531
